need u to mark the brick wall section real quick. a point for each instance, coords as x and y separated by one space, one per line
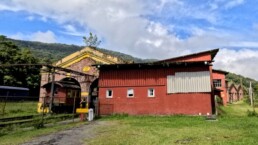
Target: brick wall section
45 77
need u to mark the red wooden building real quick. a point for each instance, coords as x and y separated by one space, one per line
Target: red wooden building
235 92
220 86
181 85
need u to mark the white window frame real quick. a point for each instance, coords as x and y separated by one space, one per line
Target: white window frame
107 93
130 91
149 92
217 83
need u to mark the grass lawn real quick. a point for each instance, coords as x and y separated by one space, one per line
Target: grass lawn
19 108
233 127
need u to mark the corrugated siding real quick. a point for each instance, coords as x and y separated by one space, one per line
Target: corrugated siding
183 82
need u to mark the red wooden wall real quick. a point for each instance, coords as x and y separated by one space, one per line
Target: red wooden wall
221 76
140 80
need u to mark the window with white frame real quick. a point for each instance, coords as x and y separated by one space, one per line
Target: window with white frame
130 93
109 93
217 83
151 92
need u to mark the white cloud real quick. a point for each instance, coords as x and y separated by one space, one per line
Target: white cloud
30 18
44 19
47 37
238 61
71 30
125 27
233 3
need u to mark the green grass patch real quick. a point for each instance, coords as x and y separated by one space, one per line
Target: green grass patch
233 127
18 108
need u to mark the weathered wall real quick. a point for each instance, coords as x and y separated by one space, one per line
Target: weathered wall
81 66
233 95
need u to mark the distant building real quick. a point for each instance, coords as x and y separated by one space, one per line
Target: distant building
235 92
181 85
220 85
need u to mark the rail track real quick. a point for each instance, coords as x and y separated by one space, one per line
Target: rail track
30 118
16 120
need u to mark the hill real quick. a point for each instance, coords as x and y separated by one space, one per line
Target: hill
51 52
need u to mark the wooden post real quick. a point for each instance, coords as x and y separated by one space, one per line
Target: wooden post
7 94
43 112
73 107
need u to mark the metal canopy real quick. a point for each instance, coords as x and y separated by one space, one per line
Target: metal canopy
48 66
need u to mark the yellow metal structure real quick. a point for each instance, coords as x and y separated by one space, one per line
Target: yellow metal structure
87 52
40 108
82 110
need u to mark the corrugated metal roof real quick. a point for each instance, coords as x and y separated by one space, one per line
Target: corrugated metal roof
212 53
220 71
151 65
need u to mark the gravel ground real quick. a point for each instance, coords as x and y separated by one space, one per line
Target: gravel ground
72 136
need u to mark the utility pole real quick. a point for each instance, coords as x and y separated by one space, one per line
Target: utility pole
251 94
52 90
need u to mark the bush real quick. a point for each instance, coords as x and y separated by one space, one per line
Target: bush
251 113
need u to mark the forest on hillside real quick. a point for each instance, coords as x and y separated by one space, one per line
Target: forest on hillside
51 52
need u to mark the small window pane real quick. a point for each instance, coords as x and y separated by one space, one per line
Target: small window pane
151 92
217 83
109 94
130 93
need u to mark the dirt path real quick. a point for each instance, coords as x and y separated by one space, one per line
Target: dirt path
72 136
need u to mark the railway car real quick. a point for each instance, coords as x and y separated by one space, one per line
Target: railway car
66 95
13 93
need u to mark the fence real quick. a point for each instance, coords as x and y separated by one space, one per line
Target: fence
38 108
13 106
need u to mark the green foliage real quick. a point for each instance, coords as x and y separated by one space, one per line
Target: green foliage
17 76
19 108
92 40
47 52
252 113
51 52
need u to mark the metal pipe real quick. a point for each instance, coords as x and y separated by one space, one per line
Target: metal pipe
52 91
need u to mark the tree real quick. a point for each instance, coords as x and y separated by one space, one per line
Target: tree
91 41
24 76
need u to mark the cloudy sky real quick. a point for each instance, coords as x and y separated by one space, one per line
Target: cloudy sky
144 28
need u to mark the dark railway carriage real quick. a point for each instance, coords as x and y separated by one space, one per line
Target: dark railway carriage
13 93
65 93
